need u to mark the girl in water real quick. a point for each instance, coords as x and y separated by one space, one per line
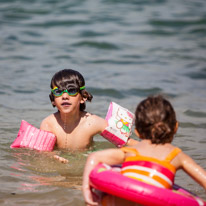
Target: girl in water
155 125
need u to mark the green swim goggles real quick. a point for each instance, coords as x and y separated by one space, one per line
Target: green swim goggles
71 92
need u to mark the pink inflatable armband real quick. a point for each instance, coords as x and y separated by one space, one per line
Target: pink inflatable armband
120 121
33 138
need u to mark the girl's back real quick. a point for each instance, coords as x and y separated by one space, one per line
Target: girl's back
158 151
151 163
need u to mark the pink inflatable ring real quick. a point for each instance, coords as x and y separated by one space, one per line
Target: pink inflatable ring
108 179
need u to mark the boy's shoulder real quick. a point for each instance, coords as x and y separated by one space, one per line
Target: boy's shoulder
51 117
95 122
47 122
93 117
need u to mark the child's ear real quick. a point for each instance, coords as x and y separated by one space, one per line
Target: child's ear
137 133
176 126
53 104
83 100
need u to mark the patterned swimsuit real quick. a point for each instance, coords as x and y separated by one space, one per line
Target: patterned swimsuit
150 170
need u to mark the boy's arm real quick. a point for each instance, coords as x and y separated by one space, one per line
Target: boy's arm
45 125
118 129
101 124
192 169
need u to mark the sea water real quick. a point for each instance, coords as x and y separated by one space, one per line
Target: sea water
126 50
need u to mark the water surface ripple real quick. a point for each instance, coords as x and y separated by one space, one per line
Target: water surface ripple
126 50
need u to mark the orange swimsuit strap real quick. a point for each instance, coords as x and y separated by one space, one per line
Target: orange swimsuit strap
166 162
169 157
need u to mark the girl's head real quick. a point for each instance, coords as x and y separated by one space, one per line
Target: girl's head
156 120
68 79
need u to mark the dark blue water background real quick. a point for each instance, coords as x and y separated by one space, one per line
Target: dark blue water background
126 50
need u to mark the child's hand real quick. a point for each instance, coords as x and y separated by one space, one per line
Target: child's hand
88 197
61 159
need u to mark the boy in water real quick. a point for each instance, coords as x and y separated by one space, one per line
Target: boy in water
72 125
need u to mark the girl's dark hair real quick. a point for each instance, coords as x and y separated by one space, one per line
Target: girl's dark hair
156 120
70 78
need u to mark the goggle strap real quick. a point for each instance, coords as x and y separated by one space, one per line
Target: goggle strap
54 89
81 88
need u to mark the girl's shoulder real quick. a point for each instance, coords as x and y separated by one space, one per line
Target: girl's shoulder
159 151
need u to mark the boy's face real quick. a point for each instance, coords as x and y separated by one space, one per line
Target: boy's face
67 100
